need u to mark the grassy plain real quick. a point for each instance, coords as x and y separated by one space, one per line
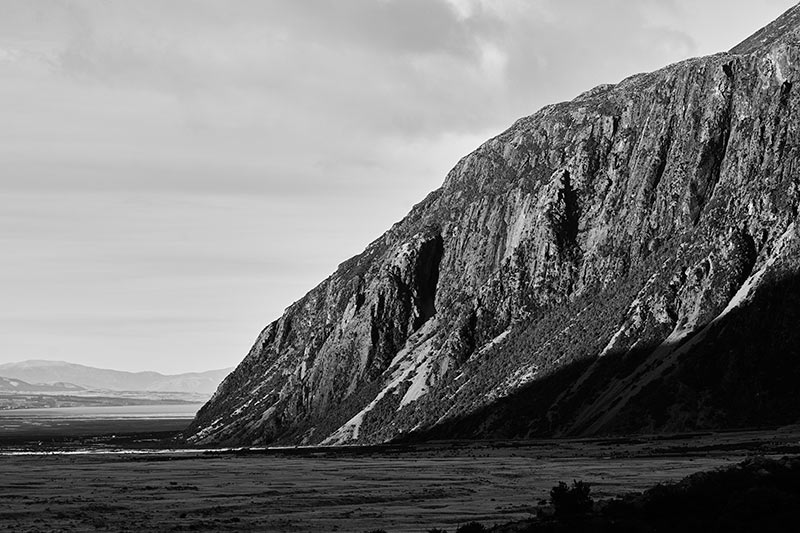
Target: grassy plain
397 488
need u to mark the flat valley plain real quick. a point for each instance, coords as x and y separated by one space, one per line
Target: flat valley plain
409 488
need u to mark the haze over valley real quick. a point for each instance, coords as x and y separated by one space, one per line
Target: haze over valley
40 383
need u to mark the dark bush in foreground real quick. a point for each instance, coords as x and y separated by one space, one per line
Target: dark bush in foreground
571 501
756 495
472 527
759 493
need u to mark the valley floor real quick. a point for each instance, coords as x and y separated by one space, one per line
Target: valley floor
399 489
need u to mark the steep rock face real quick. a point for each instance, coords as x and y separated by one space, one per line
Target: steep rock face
626 261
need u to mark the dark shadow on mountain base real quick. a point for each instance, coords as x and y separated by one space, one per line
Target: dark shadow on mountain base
742 372
542 408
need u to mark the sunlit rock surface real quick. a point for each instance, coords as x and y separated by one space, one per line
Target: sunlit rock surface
624 262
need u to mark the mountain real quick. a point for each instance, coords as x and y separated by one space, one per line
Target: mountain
17 385
38 371
625 262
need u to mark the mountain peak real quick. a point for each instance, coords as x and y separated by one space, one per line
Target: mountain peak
787 23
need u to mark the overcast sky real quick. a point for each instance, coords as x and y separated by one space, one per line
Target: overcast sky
173 174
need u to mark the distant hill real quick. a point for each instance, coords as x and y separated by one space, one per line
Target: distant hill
54 372
18 385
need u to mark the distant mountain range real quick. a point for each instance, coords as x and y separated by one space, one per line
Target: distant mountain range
51 374
18 385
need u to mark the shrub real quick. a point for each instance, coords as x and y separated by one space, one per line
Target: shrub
571 501
472 527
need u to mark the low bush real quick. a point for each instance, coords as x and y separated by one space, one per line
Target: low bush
571 501
472 527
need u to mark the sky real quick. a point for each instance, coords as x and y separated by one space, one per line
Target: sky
174 174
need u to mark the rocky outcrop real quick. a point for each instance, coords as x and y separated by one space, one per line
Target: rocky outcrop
626 261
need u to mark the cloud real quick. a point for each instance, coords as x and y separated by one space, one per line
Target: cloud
165 157
389 68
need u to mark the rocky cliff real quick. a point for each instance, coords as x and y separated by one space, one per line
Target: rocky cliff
624 262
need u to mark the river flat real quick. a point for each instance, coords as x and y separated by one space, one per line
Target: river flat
399 489
68 428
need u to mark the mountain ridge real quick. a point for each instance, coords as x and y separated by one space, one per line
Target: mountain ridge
48 372
18 385
588 267
784 25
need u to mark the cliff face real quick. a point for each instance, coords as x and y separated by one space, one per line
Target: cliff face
626 261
